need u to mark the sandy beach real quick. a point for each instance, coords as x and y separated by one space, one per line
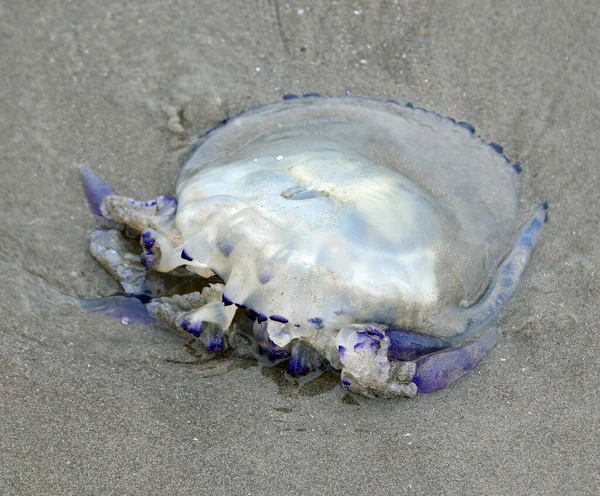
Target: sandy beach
91 406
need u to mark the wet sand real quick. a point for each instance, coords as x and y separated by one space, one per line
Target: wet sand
90 406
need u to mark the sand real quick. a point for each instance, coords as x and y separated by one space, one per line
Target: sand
91 406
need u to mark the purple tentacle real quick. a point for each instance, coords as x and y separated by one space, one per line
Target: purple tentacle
303 360
194 328
408 345
96 189
438 371
127 310
470 322
213 338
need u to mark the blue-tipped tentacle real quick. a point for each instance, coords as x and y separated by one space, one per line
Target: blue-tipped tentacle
213 338
96 189
438 371
191 326
126 309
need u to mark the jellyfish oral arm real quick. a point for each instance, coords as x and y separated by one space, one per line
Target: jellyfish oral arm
467 323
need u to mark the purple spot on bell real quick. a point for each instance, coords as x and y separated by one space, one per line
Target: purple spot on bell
185 256
346 383
261 317
518 169
359 346
96 189
290 96
467 126
266 275
438 371
496 147
225 247
297 325
252 314
240 305
226 301
409 105
317 323
368 344
342 350
279 318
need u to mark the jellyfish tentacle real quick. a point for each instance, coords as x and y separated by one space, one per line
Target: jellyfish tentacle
439 370
406 344
96 189
467 323
128 310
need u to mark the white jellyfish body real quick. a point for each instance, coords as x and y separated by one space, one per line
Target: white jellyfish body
325 214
